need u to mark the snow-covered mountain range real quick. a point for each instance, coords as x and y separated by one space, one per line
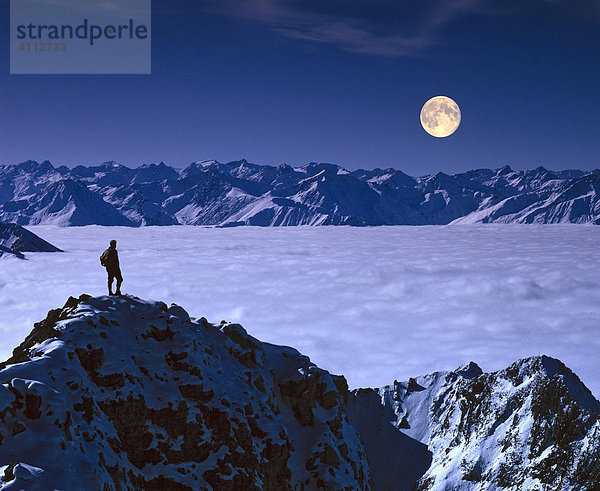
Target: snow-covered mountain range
122 393
241 193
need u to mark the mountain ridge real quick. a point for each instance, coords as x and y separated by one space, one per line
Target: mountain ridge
15 240
238 193
120 392
527 426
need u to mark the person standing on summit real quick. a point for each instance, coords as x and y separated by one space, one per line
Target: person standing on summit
110 260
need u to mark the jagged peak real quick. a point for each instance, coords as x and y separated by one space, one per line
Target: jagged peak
469 370
504 170
199 167
151 165
34 165
63 169
111 164
541 364
553 370
204 163
322 166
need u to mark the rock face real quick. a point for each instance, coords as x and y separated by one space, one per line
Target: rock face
241 193
15 240
119 393
533 425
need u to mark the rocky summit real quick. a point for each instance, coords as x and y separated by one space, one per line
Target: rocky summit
121 393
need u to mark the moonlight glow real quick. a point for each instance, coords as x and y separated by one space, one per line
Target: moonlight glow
440 116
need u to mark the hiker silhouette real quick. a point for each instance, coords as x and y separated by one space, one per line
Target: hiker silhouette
110 260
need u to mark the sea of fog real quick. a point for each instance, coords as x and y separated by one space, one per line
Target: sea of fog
375 304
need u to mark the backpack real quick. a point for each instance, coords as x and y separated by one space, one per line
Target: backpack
104 258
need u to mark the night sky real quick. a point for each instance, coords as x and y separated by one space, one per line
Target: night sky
339 81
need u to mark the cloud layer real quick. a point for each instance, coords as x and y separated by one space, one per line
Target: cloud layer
373 303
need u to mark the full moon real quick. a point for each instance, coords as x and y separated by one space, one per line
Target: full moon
440 116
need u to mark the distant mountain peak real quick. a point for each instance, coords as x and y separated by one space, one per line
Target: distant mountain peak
469 370
205 163
505 170
111 163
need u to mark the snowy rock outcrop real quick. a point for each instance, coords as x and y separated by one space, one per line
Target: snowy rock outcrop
240 193
120 393
15 240
533 425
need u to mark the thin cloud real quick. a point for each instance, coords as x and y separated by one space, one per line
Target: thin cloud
358 39
359 26
352 32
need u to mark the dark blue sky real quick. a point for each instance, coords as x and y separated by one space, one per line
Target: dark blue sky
337 81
